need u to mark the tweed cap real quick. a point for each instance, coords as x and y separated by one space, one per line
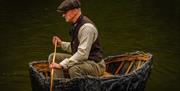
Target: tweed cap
68 5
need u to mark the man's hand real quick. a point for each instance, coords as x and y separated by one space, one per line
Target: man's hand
57 40
55 66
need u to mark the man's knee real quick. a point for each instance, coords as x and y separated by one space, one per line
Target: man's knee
58 57
75 71
50 58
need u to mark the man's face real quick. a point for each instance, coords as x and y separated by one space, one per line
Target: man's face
68 16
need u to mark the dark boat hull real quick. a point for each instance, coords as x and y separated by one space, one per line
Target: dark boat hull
134 81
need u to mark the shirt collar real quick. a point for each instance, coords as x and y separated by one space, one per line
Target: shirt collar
78 20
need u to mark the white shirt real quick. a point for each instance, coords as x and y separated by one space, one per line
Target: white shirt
87 35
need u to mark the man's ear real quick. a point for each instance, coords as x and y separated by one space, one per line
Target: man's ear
75 11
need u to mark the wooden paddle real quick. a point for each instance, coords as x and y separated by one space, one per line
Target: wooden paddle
52 70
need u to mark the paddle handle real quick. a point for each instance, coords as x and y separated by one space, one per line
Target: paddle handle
52 70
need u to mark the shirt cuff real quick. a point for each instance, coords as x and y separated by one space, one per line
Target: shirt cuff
64 63
64 44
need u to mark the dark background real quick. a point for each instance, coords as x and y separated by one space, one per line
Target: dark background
27 26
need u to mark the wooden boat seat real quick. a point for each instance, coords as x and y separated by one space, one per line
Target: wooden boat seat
120 67
123 65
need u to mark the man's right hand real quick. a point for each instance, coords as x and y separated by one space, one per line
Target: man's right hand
57 40
55 66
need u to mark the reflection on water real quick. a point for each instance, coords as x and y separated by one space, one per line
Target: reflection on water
26 28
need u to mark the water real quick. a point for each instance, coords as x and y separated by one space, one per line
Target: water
27 26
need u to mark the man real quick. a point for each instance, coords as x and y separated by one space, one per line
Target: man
86 53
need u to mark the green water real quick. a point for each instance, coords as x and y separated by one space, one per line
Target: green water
27 26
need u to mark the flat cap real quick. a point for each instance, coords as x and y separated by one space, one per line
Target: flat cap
68 5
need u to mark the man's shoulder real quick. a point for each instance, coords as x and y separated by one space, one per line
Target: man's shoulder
88 26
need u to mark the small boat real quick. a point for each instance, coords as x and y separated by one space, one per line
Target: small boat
125 72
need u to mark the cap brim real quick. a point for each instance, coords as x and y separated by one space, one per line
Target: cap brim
60 11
